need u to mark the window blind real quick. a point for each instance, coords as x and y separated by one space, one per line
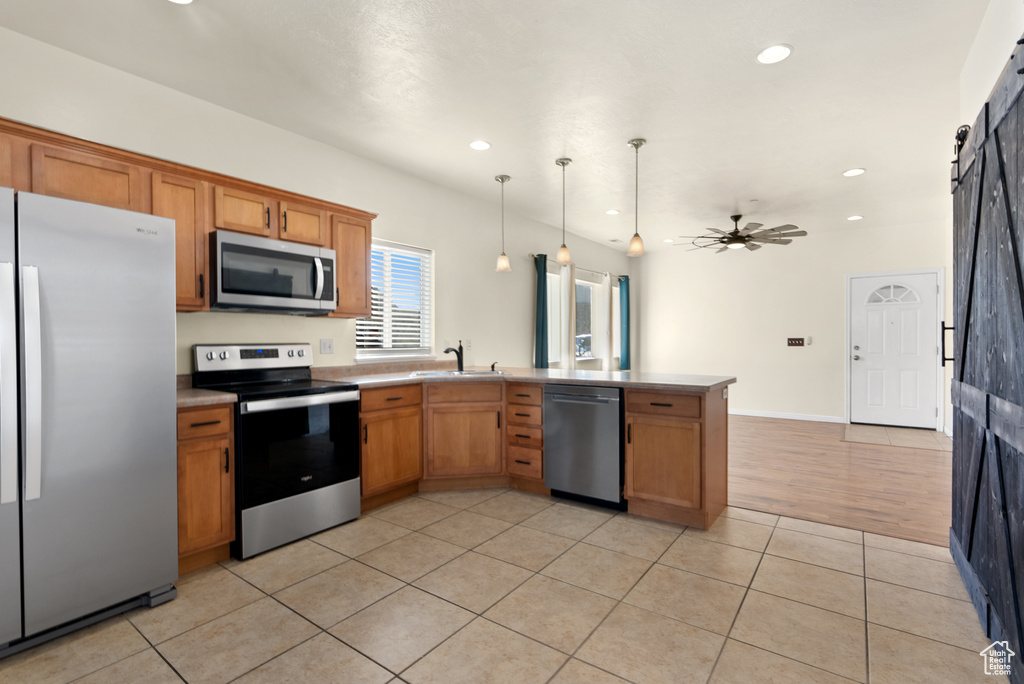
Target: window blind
400 302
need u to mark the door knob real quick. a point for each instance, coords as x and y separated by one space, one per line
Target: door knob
856 357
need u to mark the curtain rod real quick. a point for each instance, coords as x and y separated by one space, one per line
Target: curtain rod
579 268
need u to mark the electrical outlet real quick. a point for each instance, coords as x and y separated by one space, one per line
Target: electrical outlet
794 342
469 344
326 346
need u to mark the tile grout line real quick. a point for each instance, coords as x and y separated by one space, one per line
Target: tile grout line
746 592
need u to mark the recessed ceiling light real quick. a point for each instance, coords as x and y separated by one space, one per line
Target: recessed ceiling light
612 212
774 54
855 217
480 145
668 240
614 240
850 173
182 2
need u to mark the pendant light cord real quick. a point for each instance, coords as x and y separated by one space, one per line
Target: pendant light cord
636 193
563 204
502 217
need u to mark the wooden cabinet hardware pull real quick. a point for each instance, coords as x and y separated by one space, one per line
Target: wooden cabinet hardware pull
209 422
394 398
227 461
523 436
658 403
524 415
522 462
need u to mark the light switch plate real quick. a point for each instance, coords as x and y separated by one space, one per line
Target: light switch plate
326 346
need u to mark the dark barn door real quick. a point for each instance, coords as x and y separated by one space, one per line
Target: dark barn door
987 533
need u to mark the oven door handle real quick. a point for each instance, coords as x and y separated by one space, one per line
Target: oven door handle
262 405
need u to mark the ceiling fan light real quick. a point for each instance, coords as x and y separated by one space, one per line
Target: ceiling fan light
636 246
563 255
737 244
503 265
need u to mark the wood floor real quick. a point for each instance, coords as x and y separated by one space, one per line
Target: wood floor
804 470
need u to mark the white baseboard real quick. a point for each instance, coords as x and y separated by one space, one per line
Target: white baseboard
949 431
789 416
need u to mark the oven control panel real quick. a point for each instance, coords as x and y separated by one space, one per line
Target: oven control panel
220 357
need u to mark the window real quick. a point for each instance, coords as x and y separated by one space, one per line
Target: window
893 294
584 320
400 300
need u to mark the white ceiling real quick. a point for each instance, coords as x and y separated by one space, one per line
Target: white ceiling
409 83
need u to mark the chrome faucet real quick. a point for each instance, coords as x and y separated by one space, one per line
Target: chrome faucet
458 354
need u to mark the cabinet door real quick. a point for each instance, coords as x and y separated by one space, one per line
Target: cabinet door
463 440
303 224
663 460
6 161
206 506
352 244
184 200
392 452
241 211
87 178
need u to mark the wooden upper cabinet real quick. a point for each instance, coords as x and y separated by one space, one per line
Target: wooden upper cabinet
87 178
302 224
241 211
184 200
351 240
6 161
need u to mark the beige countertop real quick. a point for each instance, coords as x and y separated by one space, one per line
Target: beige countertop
189 397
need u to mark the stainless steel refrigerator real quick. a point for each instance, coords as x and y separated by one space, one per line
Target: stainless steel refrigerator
88 466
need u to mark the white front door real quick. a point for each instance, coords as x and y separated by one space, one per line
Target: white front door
894 349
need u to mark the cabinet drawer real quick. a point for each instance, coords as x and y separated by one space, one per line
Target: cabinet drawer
444 392
520 414
523 393
204 422
525 436
525 462
390 397
663 404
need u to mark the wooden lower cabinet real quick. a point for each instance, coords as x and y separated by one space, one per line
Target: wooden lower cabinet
464 430
663 460
206 490
525 432
392 450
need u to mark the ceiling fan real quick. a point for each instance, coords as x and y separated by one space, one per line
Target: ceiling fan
751 236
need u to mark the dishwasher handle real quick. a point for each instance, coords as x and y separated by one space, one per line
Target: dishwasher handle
580 399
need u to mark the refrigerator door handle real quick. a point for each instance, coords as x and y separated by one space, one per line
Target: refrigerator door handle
33 378
8 388
319 277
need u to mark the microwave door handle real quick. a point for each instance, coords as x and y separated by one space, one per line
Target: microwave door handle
319 277
8 388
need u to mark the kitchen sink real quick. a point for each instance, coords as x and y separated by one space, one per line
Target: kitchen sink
454 373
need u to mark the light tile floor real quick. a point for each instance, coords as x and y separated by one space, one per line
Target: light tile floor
501 586
901 437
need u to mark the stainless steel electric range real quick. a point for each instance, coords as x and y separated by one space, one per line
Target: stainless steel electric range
296 442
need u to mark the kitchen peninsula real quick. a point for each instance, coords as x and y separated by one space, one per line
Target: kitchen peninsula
481 429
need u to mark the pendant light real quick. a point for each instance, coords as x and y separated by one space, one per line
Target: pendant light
503 265
636 244
563 251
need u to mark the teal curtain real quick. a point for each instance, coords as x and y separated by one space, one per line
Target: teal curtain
541 345
624 322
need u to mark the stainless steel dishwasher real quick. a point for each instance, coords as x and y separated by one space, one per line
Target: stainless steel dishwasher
583 442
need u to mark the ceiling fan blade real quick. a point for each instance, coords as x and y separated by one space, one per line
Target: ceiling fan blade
771 241
752 246
750 228
720 232
721 249
772 233
783 228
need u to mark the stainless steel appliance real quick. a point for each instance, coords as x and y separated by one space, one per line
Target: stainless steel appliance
583 451
88 465
256 274
296 442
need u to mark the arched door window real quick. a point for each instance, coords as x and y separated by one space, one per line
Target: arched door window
893 294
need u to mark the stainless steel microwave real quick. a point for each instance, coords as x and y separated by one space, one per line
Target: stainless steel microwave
259 274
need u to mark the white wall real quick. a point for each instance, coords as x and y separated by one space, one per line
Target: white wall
57 90
730 313
1000 28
